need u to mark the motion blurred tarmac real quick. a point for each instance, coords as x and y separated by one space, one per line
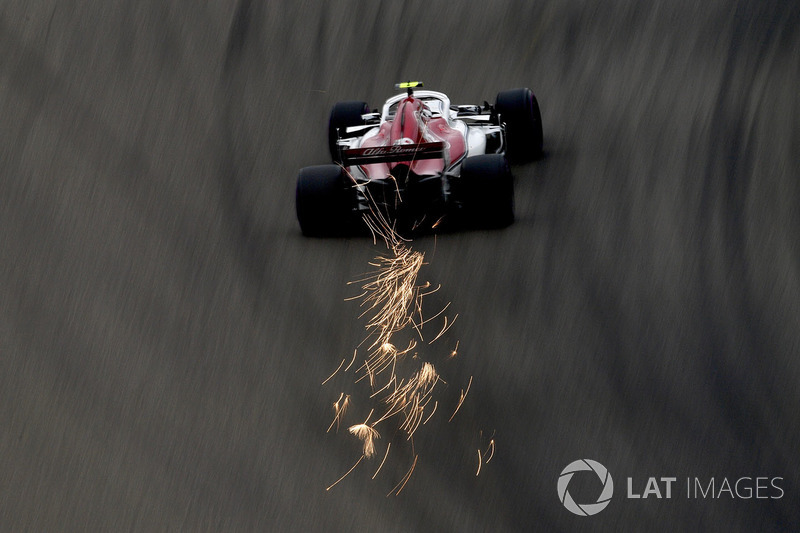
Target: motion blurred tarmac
165 328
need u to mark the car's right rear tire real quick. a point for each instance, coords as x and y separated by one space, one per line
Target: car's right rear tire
488 191
519 110
322 201
344 115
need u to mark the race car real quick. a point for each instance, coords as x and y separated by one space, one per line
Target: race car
420 164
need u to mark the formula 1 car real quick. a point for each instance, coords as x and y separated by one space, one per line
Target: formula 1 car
420 164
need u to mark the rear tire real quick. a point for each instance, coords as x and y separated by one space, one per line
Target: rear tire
519 110
488 191
322 201
344 115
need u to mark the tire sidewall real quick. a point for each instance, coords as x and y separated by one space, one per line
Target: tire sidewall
519 110
322 204
487 192
343 115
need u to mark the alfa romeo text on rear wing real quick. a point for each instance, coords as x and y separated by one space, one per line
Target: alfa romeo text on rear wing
392 154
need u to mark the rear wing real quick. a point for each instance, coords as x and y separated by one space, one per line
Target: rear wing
392 154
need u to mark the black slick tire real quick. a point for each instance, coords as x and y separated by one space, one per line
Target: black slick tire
519 110
344 115
322 201
488 191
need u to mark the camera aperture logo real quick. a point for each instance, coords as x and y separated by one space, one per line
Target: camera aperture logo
585 509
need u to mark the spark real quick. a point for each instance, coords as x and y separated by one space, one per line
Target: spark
351 298
412 398
454 353
427 376
427 285
444 328
346 474
339 410
388 384
397 403
334 372
367 434
481 456
461 400
382 358
388 445
351 361
414 418
396 187
490 449
404 480
435 405
425 321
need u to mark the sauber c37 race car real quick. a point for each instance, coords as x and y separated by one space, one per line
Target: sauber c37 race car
420 164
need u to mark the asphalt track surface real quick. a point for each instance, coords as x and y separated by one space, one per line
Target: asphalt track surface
165 329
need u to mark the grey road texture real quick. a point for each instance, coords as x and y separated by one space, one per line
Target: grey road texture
165 328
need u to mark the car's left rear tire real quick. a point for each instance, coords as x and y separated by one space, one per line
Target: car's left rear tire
487 191
323 202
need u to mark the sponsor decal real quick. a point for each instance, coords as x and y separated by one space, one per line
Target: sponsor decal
396 149
397 152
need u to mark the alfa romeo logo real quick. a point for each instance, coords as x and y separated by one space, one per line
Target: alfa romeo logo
585 509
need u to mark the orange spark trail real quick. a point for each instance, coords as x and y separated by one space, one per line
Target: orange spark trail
347 474
405 479
334 372
389 445
461 400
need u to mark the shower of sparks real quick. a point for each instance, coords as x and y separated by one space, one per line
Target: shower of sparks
411 398
391 294
391 299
